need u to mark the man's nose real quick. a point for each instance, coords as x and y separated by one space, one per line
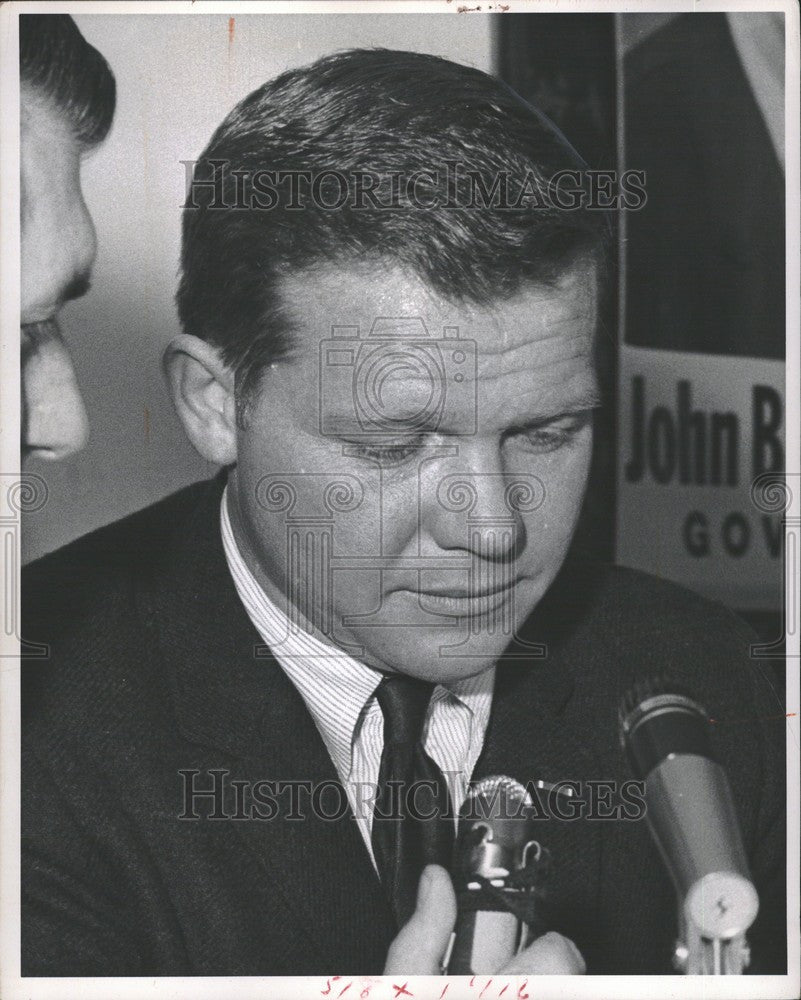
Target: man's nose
54 418
471 504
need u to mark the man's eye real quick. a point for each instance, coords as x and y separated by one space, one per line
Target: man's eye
543 440
385 452
552 435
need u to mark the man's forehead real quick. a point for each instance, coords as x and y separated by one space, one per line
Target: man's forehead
386 343
387 303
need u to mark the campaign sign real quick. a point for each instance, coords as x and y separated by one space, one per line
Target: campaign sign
694 432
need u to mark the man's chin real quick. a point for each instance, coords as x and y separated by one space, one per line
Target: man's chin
439 648
441 656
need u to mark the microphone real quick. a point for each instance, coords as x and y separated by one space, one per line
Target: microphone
498 872
690 812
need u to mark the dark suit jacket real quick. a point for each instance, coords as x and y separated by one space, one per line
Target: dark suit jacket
151 671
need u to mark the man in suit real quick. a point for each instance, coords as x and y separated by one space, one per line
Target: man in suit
392 360
67 98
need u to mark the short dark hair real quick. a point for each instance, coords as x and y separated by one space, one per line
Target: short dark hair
57 61
378 111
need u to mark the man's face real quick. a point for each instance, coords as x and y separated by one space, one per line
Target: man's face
58 248
413 489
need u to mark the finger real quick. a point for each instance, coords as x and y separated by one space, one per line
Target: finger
420 945
550 955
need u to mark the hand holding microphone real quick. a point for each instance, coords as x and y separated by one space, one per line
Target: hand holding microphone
499 870
485 926
420 946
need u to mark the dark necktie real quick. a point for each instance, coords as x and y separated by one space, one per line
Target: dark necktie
412 818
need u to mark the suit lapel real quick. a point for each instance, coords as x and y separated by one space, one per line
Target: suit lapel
241 707
319 861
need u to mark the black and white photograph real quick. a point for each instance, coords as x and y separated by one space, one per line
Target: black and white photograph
400 499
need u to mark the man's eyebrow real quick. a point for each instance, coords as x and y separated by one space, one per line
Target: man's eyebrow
78 287
349 424
586 401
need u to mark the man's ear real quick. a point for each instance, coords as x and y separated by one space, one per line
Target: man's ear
202 390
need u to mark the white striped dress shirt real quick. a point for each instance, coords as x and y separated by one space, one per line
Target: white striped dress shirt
339 694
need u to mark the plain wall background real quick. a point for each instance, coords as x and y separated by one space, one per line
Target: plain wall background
177 77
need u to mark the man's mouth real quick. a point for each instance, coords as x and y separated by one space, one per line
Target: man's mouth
462 602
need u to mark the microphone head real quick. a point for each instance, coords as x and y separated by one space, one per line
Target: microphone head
495 826
651 692
658 717
649 687
498 790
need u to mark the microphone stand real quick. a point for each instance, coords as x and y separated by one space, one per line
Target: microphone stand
697 955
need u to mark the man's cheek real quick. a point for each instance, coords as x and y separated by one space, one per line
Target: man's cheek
565 482
550 529
268 539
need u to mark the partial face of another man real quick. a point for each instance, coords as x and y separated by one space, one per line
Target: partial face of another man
58 249
410 491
